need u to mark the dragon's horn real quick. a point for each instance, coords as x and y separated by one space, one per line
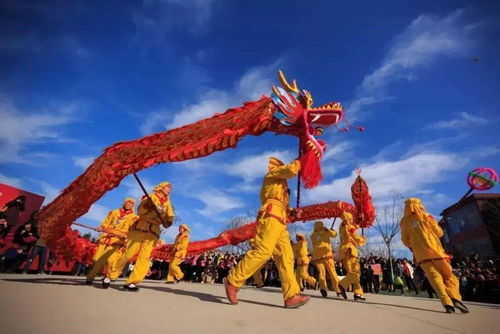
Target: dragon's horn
286 85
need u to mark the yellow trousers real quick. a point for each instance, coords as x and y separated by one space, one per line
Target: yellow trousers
174 271
442 280
302 274
351 265
104 255
271 239
140 244
324 266
258 280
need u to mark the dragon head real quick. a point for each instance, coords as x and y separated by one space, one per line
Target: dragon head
294 108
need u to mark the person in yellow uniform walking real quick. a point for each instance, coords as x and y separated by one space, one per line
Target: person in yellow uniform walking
420 232
258 280
323 257
302 256
144 233
348 251
271 237
114 232
180 251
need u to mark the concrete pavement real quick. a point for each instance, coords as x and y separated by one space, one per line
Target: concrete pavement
62 304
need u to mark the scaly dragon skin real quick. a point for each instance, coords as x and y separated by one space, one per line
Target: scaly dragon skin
192 141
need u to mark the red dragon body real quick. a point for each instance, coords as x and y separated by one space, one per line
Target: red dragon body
288 112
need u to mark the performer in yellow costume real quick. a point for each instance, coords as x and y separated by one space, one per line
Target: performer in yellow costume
420 232
114 231
302 256
180 251
144 233
258 280
323 257
348 251
271 237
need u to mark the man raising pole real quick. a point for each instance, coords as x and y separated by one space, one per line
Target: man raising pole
154 210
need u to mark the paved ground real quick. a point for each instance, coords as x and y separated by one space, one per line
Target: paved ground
60 304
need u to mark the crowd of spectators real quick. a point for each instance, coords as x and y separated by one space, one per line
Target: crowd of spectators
479 277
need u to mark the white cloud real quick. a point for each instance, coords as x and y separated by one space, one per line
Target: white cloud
463 120
134 190
216 202
426 39
407 176
50 192
251 167
20 129
83 162
154 20
96 212
11 181
252 85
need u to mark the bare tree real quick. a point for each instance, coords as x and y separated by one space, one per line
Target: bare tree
389 225
235 223
177 221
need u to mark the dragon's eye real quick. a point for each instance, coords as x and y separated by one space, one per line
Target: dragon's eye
318 131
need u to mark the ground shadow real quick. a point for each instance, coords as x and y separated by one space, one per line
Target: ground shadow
204 296
54 281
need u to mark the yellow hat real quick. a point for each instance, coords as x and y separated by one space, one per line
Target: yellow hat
129 199
161 185
318 225
186 228
346 216
274 162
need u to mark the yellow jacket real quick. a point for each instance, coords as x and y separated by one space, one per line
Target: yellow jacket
420 232
322 247
148 217
301 252
181 245
350 240
118 222
274 194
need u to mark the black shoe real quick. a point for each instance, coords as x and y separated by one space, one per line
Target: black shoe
130 287
359 297
449 309
88 282
169 282
324 293
106 282
461 306
342 292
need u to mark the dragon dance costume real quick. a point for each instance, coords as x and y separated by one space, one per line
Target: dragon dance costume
258 280
302 256
420 232
109 244
323 256
271 237
348 251
180 251
144 233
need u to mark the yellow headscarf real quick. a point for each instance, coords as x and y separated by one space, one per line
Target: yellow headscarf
274 162
186 228
415 208
346 217
161 185
129 199
318 225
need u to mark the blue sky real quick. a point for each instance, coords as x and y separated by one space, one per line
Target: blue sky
77 77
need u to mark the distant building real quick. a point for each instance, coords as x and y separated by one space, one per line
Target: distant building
473 226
